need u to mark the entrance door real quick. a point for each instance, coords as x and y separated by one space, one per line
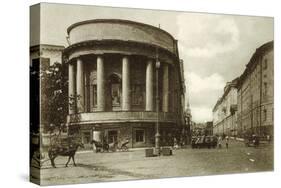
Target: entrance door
112 136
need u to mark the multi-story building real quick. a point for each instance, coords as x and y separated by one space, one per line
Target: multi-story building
47 54
117 71
224 112
209 128
41 58
256 94
198 128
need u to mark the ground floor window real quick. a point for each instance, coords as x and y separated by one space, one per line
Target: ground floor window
112 136
140 136
86 137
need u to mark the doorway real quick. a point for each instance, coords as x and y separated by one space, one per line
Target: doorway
112 136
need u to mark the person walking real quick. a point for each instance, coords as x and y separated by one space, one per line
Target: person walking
176 146
268 138
226 142
219 142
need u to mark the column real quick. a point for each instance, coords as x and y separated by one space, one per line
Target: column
87 90
80 86
71 89
126 99
100 84
165 88
149 86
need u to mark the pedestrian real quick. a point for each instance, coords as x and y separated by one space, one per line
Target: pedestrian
219 142
257 141
176 146
93 145
268 138
226 142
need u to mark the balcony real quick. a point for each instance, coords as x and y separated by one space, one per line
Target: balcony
121 116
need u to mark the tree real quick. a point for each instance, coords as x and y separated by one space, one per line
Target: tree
54 96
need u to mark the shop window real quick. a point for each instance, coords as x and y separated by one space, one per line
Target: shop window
86 137
140 135
112 136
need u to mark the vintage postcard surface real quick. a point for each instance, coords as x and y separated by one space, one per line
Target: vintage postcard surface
127 94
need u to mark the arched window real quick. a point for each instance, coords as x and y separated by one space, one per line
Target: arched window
115 89
93 90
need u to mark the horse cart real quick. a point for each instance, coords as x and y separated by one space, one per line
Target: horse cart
114 146
57 145
252 141
64 146
124 146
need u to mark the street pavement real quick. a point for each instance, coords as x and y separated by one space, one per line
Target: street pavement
131 165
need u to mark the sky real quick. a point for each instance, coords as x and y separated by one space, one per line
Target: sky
215 48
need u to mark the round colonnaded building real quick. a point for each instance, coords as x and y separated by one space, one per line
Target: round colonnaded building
112 82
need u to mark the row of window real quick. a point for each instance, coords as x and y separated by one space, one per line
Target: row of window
113 134
115 91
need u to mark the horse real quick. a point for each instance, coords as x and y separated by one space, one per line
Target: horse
67 151
100 146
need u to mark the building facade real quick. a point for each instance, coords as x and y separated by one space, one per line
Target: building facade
256 94
47 54
209 128
198 129
41 58
225 111
115 82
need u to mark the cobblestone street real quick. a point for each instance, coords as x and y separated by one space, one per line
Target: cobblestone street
96 167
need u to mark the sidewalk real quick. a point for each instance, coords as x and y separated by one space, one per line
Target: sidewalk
116 166
130 149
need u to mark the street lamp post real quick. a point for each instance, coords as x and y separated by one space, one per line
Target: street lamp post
157 135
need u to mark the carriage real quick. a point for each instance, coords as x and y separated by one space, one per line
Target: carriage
252 141
114 146
54 146
124 146
64 146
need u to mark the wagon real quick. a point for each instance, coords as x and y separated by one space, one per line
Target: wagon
252 141
204 142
